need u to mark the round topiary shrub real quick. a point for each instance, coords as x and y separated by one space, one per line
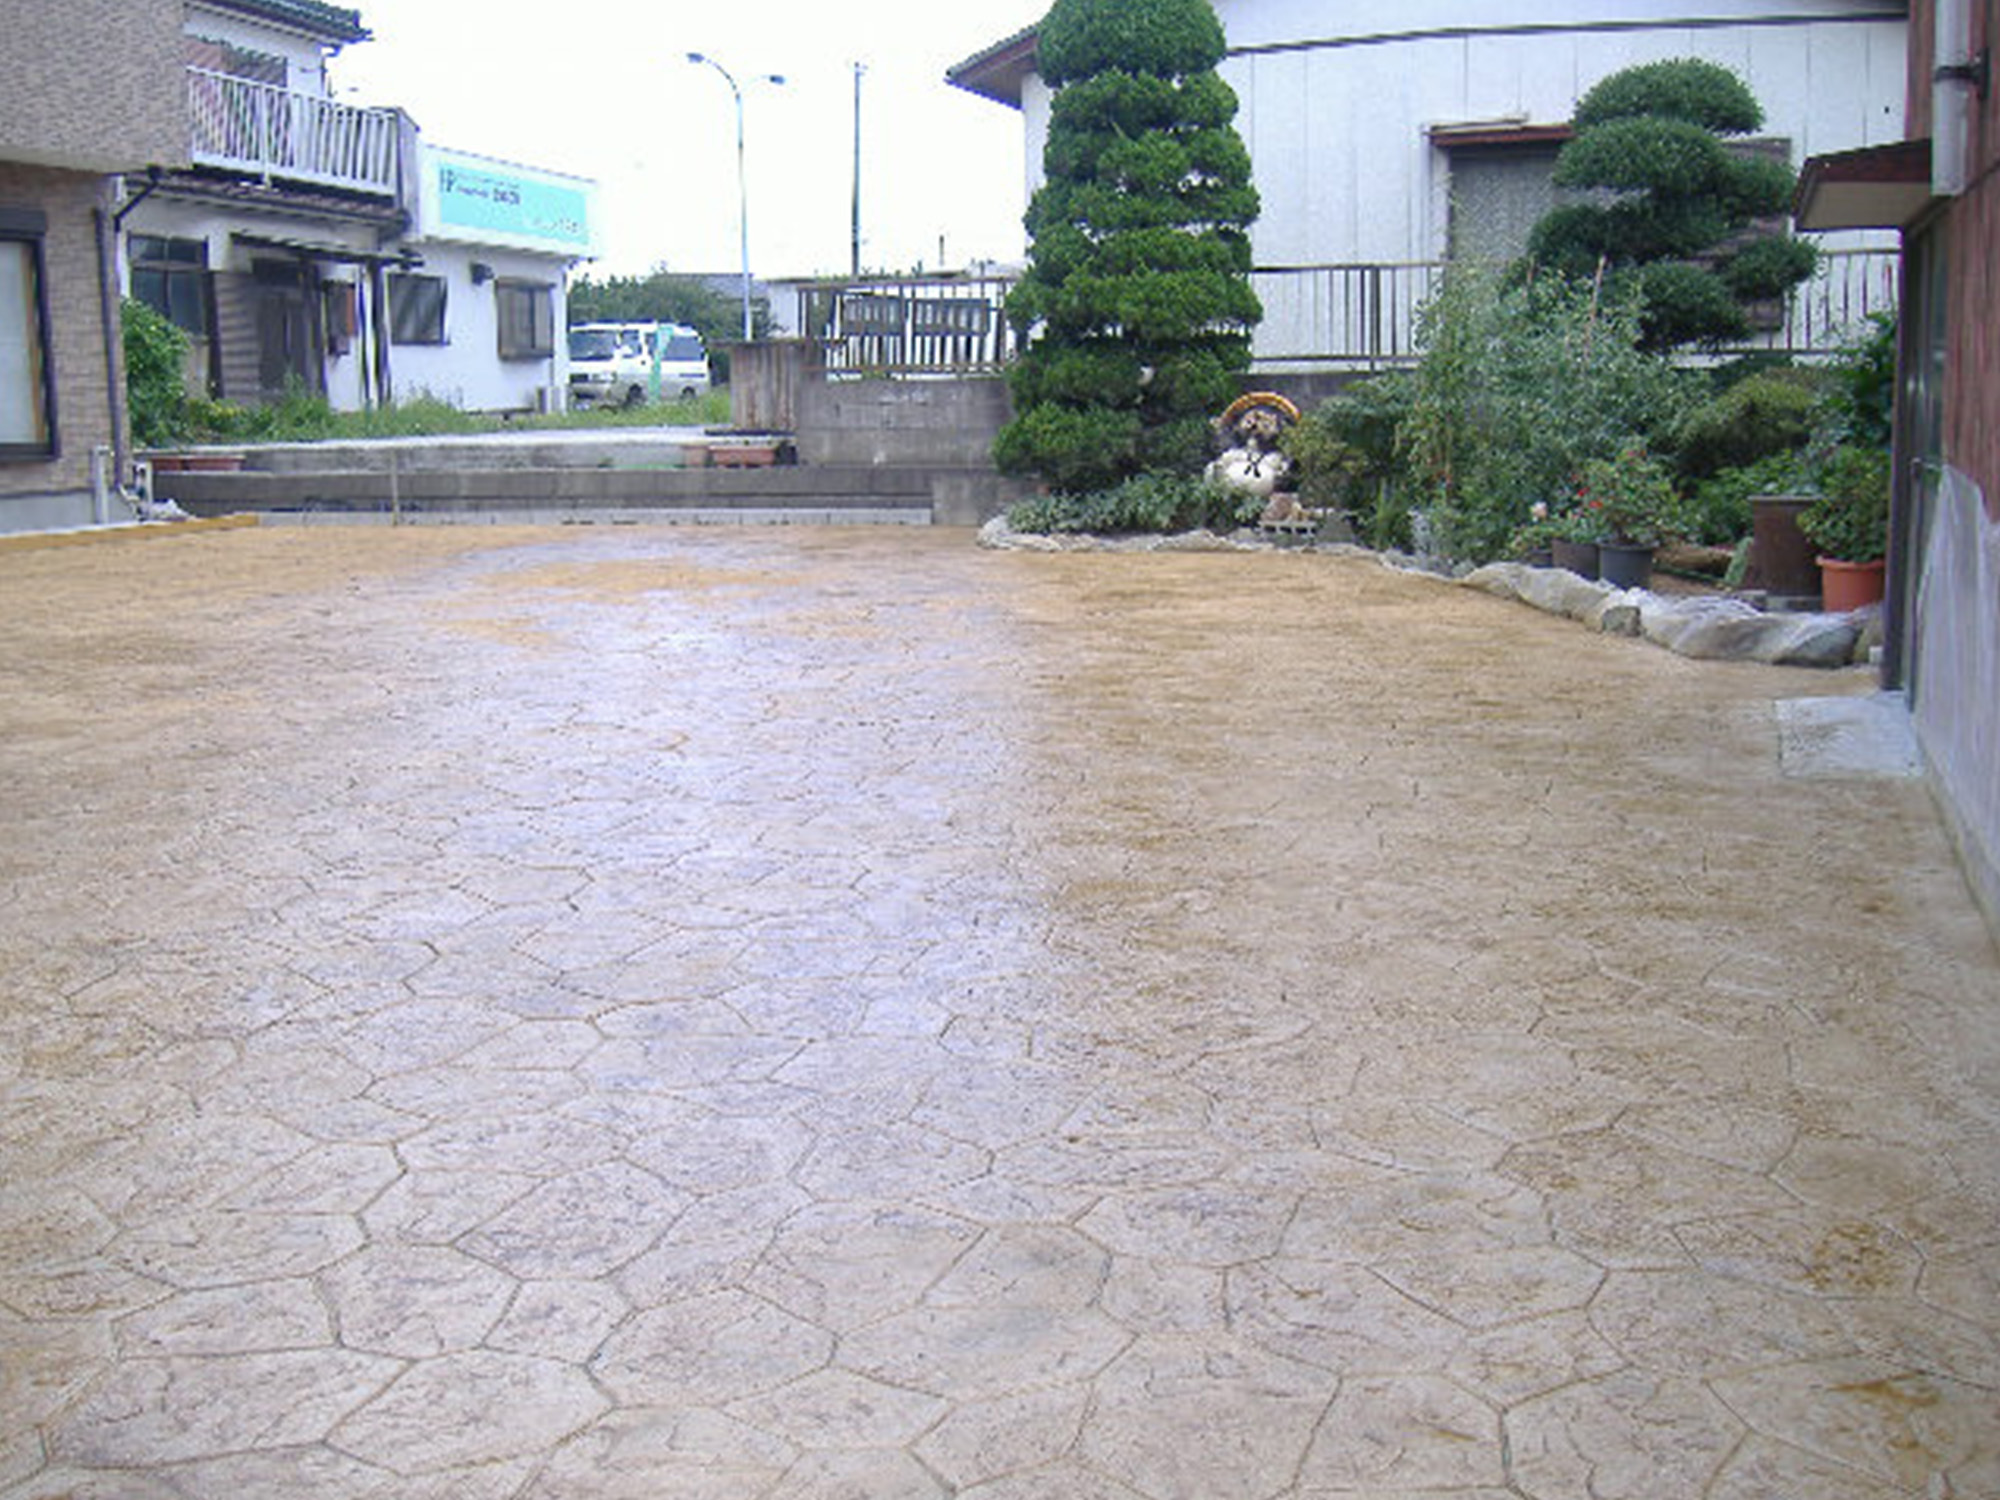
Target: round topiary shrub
1674 207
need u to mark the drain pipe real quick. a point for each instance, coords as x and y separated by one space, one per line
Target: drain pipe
108 223
109 331
1960 78
138 498
102 458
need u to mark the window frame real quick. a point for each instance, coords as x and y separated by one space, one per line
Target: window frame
540 318
173 270
28 228
434 332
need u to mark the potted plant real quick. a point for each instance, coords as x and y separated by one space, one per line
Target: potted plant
1534 543
1573 541
1849 523
1632 504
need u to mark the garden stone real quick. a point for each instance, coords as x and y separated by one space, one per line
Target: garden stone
1554 590
1730 630
1618 613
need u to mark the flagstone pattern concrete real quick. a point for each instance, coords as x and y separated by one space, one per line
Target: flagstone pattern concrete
589 1015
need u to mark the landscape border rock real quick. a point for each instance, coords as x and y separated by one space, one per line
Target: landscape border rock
1708 627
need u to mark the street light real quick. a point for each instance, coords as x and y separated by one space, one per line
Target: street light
742 182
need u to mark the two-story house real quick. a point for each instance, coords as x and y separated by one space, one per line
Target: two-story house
83 97
315 245
1386 137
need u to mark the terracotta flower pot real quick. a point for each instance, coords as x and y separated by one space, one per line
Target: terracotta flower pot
1845 586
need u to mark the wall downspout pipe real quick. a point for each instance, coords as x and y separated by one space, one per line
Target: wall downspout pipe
1959 77
114 342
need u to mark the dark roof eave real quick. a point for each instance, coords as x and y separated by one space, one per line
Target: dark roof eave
999 72
330 23
1874 187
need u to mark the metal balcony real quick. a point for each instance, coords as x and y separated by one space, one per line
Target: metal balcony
279 135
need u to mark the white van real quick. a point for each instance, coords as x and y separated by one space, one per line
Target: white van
625 364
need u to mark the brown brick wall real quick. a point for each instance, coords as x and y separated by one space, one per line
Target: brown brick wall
70 279
1972 357
93 85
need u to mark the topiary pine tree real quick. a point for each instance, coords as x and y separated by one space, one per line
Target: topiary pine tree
1137 301
1674 206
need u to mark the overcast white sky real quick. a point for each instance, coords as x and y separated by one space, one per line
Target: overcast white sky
603 89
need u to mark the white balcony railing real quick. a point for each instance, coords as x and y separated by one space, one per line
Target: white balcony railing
272 133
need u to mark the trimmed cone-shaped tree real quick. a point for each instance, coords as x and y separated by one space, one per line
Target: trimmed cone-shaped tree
1136 305
1674 206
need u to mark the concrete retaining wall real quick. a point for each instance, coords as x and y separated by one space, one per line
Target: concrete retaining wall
466 489
862 445
891 422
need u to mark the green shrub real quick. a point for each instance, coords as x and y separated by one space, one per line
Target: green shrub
1347 458
1152 38
1628 499
1674 206
1718 510
1519 386
1150 502
1681 88
1136 308
155 375
1862 397
1850 519
1766 412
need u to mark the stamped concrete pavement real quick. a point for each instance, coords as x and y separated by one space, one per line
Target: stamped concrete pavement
602 1014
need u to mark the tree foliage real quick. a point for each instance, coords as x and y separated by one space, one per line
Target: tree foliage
1137 304
1520 386
155 382
1672 209
661 296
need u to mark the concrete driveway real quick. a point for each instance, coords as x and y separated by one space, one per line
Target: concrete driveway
615 1014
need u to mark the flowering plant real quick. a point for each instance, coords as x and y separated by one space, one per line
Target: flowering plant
1541 530
1626 499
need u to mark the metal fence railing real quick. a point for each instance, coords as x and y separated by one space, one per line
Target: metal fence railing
1353 316
1363 316
909 325
1358 316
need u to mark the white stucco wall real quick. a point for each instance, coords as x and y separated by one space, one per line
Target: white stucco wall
466 370
305 57
1338 130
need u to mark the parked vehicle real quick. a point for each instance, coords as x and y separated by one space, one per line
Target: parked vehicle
625 364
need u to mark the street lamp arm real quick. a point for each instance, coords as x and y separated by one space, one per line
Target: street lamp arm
742 181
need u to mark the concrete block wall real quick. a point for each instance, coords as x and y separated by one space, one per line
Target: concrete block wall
914 421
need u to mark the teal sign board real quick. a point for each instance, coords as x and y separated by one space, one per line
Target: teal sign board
488 201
